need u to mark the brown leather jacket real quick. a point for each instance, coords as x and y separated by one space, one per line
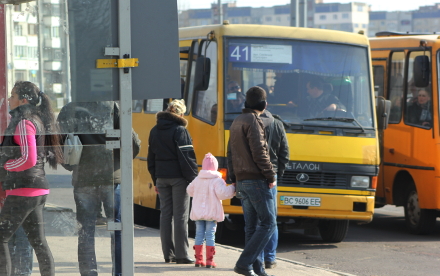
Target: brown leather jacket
248 157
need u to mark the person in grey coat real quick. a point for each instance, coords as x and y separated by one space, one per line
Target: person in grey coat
96 179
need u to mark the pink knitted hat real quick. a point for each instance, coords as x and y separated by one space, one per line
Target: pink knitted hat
210 163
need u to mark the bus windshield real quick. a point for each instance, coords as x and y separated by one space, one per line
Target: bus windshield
308 83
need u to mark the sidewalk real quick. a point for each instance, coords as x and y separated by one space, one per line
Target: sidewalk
62 239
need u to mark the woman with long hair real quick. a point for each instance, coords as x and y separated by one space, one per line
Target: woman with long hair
30 140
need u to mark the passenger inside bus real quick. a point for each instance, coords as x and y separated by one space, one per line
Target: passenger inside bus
235 98
420 112
319 100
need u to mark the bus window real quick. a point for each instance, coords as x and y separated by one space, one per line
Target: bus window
310 87
190 82
137 106
418 99
378 72
205 102
154 105
396 86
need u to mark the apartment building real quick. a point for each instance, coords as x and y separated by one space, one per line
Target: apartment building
397 21
350 17
426 19
37 46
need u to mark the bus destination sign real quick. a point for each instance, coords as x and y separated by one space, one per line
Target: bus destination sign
264 53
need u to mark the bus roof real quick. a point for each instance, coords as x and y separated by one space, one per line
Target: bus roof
409 40
252 30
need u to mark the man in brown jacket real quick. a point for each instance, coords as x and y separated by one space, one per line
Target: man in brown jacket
250 168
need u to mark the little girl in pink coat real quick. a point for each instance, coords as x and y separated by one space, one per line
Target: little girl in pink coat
208 189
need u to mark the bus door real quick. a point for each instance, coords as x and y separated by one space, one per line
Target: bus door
380 81
202 106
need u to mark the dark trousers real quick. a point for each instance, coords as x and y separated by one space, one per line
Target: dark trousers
26 211
174 212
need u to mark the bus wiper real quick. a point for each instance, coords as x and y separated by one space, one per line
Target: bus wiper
348 120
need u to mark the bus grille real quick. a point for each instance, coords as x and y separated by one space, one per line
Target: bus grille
315 179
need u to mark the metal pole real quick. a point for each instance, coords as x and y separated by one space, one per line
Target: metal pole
220 12
294 13
125 96
304 13
40 44
66 56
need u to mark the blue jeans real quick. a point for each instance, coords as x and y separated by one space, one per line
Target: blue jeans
88 204
21 253
258 202
270 251
205 230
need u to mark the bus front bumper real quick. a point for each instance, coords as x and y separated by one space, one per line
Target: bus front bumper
331 206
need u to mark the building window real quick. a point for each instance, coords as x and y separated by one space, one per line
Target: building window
20 75
33 76
32 52
57 54
56 9
335 16
360 8
55 31
345 15
20 51
268 18
17 8
382 23
278 19
364 26
32 29
322 17
356 25
18 29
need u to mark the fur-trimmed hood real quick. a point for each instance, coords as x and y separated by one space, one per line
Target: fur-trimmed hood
167 119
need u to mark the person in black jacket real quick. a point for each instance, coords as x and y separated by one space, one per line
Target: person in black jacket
279 157
96 179
419 112
172 165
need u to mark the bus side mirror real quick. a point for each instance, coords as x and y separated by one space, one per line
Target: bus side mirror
202 74
421 71
383 109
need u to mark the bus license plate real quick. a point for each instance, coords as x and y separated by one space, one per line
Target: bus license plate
300 201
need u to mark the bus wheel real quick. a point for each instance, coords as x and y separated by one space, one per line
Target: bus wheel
418 221
333 230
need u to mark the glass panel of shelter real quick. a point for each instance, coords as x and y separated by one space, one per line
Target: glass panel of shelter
51 45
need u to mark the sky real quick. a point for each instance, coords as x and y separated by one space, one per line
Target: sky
376 5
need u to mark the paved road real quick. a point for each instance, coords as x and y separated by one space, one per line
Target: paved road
382 247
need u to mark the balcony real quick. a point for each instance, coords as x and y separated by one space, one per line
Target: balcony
54 42
52 65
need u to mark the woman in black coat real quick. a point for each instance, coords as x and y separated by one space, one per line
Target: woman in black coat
172 165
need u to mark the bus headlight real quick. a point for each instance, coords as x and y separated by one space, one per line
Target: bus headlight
360 181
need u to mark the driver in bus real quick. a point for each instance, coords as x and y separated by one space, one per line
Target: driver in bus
318 100
235 98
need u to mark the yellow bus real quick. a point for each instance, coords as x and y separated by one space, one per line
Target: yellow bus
331 176
405 69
